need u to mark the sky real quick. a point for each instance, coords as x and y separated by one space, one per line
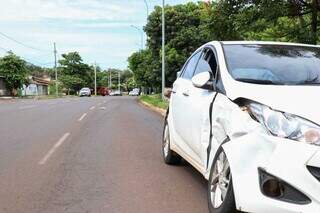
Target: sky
100 30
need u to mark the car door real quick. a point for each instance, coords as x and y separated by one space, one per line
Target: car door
180 100
200 100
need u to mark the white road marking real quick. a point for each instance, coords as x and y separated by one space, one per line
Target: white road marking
92 108
28 107
82 117
54 148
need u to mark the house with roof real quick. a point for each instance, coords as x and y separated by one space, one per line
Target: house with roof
38 86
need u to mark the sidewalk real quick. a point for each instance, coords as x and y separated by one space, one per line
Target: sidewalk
6 98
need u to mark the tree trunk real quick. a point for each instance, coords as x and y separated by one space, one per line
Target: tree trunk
314 22
14 92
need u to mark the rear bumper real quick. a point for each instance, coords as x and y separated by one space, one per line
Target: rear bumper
285 159
84 94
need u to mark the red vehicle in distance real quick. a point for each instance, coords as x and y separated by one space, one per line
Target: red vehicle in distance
103 91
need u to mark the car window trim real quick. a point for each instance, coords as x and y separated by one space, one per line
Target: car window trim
218 71
186 64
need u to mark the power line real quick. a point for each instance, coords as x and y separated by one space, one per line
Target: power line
28 60
4 49
18 42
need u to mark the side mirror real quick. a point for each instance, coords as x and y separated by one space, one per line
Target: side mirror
201 80
178 74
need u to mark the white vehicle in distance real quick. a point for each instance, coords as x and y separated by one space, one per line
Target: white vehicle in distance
246 115
116 93
134 92
85 92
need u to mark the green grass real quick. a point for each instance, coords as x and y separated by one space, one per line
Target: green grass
155 100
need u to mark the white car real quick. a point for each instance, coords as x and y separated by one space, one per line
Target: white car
116 93
134 92
85 92
246 115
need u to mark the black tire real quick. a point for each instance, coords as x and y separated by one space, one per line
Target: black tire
228 204
169 156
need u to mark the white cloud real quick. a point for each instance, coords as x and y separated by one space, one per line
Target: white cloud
33 10
108 25
98 29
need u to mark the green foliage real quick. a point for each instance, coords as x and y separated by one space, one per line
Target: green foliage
186 30
190 25
155 100
144 68
14 72
74 74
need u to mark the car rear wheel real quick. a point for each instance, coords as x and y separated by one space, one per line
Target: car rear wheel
220 188
169 156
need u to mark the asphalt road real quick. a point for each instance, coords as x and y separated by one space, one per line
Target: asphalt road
90 155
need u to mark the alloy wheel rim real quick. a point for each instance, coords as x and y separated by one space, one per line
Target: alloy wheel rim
166 141
220 181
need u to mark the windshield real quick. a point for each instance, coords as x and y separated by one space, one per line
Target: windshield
273 64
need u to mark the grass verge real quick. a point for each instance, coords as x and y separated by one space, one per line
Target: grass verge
155 100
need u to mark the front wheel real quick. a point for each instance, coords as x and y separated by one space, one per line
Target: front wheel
220 188
169 156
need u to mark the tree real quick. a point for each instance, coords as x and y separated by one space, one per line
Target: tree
185 32
188 26
14 72
74 74
144 68
284 20
127 80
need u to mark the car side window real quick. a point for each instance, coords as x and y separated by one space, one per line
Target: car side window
190 67
207 63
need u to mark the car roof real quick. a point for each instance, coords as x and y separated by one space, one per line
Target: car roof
267 43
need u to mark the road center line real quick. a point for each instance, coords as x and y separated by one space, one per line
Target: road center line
92 108
54 148
82 117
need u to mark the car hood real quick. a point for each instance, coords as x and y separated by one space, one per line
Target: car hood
302 101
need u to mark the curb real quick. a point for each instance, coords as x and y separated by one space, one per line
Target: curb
6 98
158 110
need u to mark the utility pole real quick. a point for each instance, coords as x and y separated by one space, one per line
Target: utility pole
55 67
110 79
119 81
95 78
163 50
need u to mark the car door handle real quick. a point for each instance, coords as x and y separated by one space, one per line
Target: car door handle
186 93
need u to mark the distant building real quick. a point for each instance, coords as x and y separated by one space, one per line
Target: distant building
37 86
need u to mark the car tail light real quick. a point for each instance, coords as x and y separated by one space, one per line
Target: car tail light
278 189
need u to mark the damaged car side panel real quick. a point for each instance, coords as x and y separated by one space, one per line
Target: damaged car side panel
228 121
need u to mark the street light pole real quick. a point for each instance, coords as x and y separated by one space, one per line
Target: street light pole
119 81
95 78
163 49
110 79
147 6
55 67
141 32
